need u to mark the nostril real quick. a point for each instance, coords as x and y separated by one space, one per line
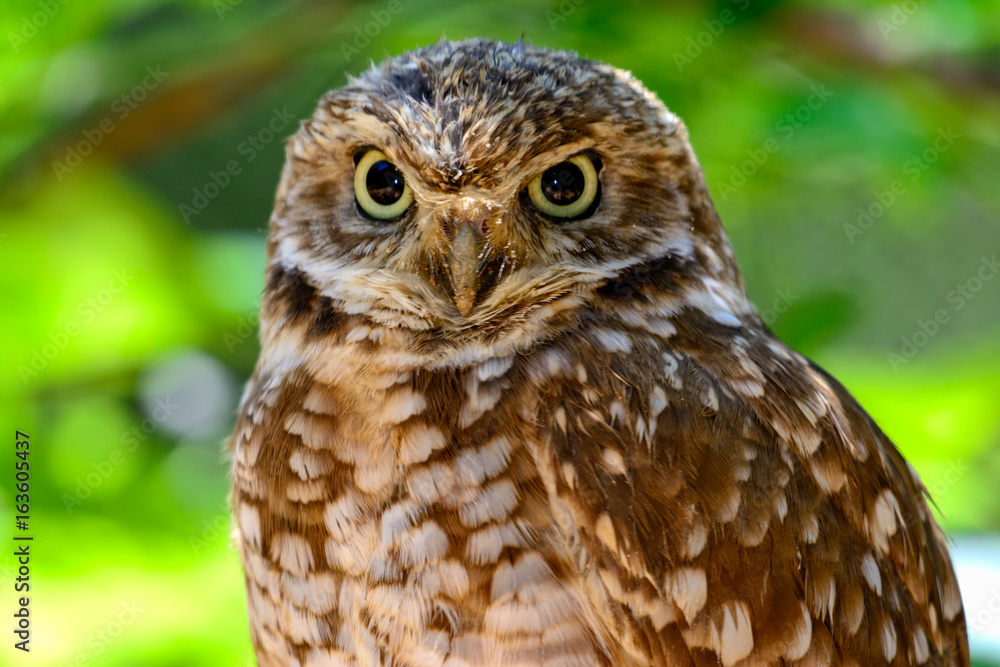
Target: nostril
478 223
452 225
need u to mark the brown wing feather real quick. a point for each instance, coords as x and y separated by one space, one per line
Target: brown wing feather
747 488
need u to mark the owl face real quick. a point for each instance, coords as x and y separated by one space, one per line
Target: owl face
469 188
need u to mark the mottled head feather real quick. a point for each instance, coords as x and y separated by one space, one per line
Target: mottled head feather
469 124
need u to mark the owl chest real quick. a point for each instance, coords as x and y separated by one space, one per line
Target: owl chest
437 542
397 519
423 507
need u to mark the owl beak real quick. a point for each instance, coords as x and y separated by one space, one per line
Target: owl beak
465 250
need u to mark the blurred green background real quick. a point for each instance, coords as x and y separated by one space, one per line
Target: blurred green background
853 150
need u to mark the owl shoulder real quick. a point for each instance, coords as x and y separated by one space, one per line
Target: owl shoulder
686 464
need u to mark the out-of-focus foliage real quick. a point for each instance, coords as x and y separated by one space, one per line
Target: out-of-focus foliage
852 149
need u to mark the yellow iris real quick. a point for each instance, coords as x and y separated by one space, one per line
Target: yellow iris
384 194
575 207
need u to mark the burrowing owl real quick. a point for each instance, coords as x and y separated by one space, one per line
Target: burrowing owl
513 406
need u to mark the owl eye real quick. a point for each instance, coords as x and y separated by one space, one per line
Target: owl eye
379 187
566 190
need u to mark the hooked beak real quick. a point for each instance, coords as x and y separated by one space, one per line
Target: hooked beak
467 221
464 266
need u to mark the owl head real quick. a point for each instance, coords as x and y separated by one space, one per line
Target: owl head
481 193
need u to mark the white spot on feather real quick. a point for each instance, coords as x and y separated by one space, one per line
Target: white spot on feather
418 442
429 483
671 368
306 492
493 503
657 401
869 568
726 318
494 367
606 531
883 524
747 387
921 650
425 544
697 538
340 516
317 591
853 611
781 506
828 475
810 529
486 544
688 587
307 465
569 474
448 577
358 333
952 601
737 634
613 341
375 477
549 364
642 432
397 520
711 399
561 418
888 640
807 439
494 456
249 521
726 510
614 461
292 552
616 412
823 596
402 404
799 642
482 398
661 326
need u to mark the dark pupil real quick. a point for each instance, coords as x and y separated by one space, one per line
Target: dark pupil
563 183
385 183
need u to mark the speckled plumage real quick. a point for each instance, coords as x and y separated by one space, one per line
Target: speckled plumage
609 461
